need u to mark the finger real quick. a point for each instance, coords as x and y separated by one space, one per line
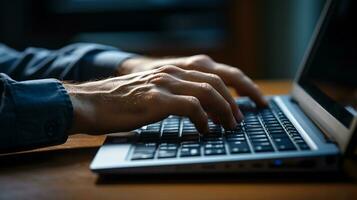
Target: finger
217 83
232 77
210 99
190 107
241 83
213 118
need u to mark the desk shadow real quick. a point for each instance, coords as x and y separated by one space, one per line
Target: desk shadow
46 159
269 178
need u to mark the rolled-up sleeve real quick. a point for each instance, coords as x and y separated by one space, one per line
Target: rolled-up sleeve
33 113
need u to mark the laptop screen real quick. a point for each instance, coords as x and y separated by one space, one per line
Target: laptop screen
330 72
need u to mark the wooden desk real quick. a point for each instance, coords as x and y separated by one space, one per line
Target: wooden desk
62 172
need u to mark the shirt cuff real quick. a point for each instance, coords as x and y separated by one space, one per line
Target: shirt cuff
103 64
44 113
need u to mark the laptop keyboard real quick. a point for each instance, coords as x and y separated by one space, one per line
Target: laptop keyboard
262 130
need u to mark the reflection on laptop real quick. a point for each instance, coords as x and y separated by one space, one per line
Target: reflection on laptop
305 131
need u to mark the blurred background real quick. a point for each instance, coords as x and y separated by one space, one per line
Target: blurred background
265 38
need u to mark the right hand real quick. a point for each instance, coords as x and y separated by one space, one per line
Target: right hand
128 102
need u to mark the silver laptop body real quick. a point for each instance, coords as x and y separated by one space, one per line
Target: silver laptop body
327 135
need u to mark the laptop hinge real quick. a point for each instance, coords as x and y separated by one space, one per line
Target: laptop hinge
328 137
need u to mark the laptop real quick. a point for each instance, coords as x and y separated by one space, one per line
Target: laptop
309 130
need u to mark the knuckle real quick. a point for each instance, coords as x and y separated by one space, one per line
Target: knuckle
200 59
206 87
154 96
194 102
160 78
215 79
203 57
237 72
168 69
255 86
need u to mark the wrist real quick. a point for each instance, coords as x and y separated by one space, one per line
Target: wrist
80 105
132 65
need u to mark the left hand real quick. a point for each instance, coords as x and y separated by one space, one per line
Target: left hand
231 76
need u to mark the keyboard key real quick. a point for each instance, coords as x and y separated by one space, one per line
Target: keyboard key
237 143
260 140
190 136
267 121
167 154
190 144
299 140
237 150
214 128
303 146
246 105
281 140
211 137
261 148
170 135
256 133
190 152
277 132
213 140
253 122
145 147
257 136
144 151
261 143
253 126
248 120
284 144
170 128
238 147
214 146
236 139
273 126
211 152
142 155
151 131
230 132
233 135
286 147
168 146
149 134
276 129
189 131
189 128
154 127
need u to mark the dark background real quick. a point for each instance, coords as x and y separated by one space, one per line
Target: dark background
265 38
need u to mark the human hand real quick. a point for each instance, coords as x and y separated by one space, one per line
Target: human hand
128 102
231 76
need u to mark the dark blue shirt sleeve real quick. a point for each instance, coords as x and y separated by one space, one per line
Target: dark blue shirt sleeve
78 62
33 113
35 109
